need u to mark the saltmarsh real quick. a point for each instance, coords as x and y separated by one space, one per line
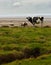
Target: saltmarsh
21 43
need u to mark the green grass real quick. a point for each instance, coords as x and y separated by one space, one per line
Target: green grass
16 40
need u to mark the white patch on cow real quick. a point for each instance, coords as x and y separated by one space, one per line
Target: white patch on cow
38 21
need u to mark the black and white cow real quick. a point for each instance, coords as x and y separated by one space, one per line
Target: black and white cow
34 20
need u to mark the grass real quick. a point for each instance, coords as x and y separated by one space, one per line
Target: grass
32 61
23 42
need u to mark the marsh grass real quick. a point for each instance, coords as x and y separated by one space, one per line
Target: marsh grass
23 43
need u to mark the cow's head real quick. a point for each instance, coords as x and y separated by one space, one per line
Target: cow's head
41 18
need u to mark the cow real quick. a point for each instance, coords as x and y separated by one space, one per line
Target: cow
34 20
24 24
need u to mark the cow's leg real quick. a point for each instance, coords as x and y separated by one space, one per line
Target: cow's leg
34 24
41 24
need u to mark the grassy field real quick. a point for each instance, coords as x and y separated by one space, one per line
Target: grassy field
25 46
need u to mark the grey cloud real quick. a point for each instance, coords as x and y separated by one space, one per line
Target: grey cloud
24 7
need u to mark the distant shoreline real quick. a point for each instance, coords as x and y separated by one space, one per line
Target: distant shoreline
18 21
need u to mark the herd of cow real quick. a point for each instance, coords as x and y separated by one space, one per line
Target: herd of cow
34 20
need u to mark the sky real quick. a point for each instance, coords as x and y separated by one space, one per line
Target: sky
25 7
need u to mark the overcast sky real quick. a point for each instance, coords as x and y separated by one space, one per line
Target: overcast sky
24 7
